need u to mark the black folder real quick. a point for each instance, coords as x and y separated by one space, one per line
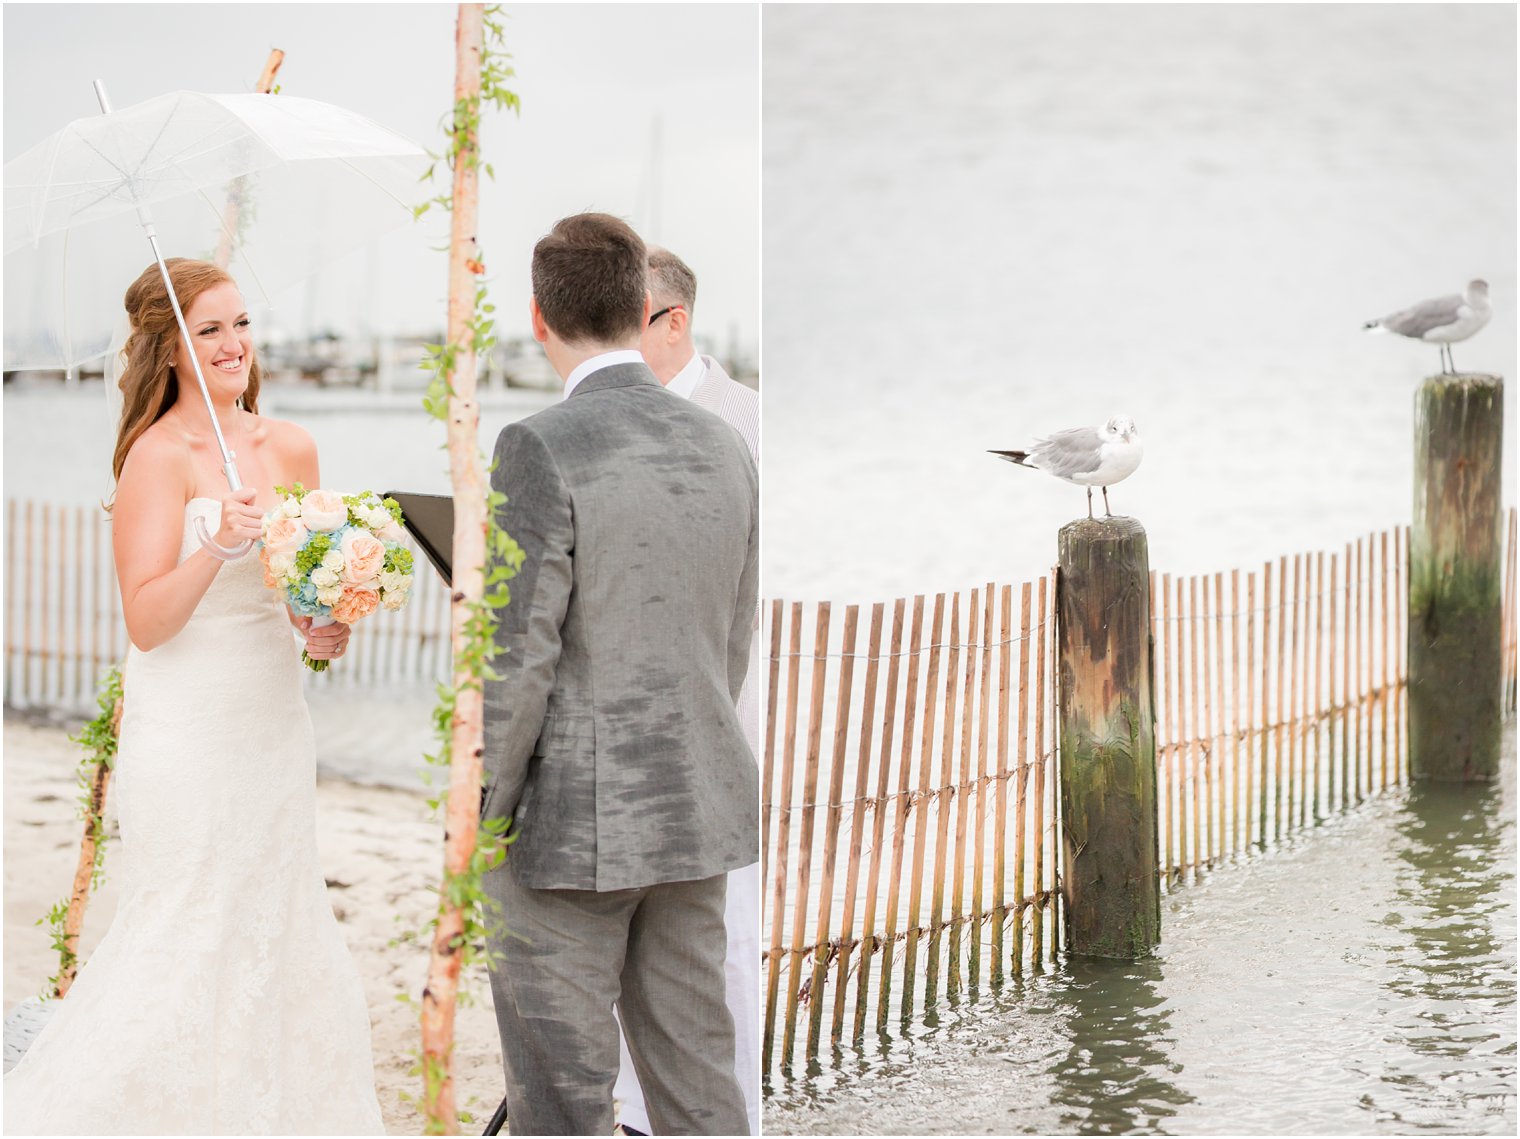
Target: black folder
430 520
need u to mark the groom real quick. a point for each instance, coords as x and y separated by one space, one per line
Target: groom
611 739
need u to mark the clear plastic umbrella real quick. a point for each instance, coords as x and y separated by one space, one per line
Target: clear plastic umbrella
241 178
313 180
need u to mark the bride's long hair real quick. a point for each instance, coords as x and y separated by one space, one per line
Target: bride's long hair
149 386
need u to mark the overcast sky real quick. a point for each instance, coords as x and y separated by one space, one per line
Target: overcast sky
598 84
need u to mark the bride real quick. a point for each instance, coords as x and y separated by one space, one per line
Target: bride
222 1000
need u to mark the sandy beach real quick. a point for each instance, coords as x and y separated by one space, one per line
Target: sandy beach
381 856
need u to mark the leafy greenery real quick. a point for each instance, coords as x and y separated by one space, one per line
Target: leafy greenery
310 555
98 737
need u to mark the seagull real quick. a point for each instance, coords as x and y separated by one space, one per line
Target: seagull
1087 456
1444 320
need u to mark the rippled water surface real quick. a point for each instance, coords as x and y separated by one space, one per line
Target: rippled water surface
1360 979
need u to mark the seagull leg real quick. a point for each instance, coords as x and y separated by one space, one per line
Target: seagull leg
1452 360
1107 513
1089 502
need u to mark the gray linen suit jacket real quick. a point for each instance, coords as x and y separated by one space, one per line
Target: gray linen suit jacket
739 407
611 738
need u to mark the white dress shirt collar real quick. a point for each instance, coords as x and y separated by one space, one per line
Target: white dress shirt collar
685 382
597 363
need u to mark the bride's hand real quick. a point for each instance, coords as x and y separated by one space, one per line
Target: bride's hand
241 519
327 642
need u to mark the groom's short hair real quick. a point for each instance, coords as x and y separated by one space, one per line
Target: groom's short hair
589 278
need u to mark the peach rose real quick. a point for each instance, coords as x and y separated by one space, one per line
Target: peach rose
354 604
363 557
323 510
283 535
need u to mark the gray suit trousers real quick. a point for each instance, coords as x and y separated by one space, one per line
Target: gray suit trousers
656 952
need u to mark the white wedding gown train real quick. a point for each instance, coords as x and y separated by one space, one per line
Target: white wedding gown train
222 1000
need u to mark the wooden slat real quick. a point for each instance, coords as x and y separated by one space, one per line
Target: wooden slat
858 821
1038 941
1401 676
1211 744
879 825
1167 752
921 806
1280 728
1239 839
1000 835
1384 679
45 609
80 576
900 815
1293 792
1020 806
783 806
1319 684
942 803
805 831
835 806
1054 773
769 807
1265 793
963 795
1249 727
97 663
1195 752
983 788
1359 689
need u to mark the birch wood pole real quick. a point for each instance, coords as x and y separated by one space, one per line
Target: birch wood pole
85 869
235 197
462 818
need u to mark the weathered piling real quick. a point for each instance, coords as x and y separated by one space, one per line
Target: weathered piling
1455 580
1108 745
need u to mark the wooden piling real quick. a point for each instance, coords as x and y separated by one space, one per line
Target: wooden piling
1108 776
1455 575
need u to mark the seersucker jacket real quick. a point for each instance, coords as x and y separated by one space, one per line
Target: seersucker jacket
611 737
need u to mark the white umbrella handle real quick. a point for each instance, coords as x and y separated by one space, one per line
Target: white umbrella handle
229 459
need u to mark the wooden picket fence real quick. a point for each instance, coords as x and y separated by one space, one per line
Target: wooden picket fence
64 629
910 800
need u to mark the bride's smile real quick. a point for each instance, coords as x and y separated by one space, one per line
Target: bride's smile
220 330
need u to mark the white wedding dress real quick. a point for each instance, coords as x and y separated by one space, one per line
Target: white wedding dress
222 1000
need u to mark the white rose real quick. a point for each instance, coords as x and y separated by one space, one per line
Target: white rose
282 563
324 578
291 507
391 580
393 601
330 596
378 518
332 560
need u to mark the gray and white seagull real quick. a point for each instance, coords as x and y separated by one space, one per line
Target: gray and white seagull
1444 320
1086 456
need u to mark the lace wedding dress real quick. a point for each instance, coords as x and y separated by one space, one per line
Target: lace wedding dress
222 1000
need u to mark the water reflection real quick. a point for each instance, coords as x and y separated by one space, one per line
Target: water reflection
1450 966
1114 1075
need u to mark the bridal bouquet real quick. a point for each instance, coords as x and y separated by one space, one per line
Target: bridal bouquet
335 557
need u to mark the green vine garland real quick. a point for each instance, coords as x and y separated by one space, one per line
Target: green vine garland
98 737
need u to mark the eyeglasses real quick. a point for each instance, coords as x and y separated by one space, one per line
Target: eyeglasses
663 311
